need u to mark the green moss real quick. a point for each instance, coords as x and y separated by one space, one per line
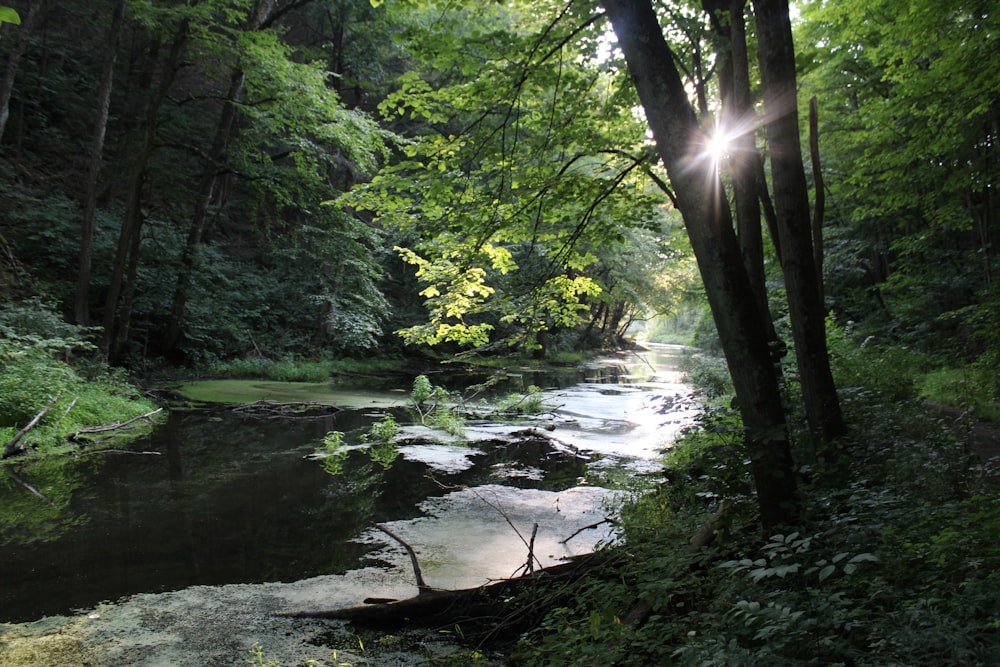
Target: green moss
249 391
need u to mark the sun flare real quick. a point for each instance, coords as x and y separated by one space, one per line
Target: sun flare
717 145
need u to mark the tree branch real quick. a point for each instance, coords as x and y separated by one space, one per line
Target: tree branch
422 586
12 447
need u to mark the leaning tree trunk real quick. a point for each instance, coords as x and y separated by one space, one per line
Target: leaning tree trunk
206 194
702 203
791 200
132 220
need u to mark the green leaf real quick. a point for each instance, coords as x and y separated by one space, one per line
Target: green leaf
8 15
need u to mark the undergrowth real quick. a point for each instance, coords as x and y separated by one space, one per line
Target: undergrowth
297 369
896 565
46 367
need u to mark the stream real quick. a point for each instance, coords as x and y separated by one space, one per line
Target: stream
181 551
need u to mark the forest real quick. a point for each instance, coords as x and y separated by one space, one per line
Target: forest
804 192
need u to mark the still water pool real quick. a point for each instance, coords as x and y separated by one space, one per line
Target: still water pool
226 517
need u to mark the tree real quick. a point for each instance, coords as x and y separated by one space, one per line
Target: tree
155 85
81 305
524 169
913 215
791 200
680 142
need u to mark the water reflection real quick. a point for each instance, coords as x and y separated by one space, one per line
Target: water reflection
229 499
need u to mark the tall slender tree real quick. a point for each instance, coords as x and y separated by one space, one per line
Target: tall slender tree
680 142
25 30
81 304
776 54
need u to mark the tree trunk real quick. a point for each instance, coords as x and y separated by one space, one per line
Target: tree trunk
81 305
132 221
10 73
791 200
819 203
703 205
258 17
206 194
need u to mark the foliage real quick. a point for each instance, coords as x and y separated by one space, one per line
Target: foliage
908 130
377 443
530 402
9 15
435 406
522 182
896 566
35 348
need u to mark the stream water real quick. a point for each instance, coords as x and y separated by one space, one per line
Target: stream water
180 552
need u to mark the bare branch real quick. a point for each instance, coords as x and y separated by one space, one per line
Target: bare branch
12 447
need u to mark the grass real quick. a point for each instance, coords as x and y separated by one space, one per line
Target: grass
30 382
292 369
970 387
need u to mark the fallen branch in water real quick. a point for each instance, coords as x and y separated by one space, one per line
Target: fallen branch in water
276 410
491 607
111 427
12 446
583 528
500 510
417 574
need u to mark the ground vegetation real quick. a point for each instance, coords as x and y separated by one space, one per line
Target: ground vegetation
268 188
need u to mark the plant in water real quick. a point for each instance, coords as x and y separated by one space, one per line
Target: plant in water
383 430
334 452
532 402
427 402
380 448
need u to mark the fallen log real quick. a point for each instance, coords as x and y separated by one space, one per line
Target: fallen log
489 606
87 430
12 446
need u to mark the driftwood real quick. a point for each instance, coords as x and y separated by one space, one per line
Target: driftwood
583 528
498 609
12 446
111 427
276 410
486 611
417 574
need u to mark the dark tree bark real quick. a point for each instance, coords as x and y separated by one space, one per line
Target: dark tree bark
206 195
128 237
739 122
703 205
81 305
819 201
777 65
10 72
208 185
